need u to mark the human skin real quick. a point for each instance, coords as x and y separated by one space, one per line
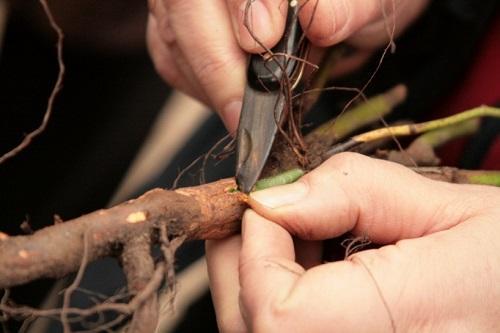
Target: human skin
200 47
438 267
437 271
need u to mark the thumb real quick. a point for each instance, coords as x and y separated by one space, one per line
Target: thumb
379 199
435 283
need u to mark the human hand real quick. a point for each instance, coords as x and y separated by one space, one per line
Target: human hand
199 46
438 271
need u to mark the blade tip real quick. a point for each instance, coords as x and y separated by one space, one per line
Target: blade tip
243 185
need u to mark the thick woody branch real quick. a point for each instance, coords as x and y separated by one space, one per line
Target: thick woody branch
209 211
205 212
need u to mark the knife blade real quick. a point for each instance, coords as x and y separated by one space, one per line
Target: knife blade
264 100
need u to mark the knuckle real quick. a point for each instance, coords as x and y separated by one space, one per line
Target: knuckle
332 179
328 173
169 74
210 69
299 224
159 54
166 71
277 318
165 30
346 162
152 5
162 61
156 7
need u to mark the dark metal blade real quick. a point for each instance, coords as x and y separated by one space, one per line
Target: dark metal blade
263 102
256 133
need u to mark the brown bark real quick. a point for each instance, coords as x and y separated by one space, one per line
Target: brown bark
139 269
209 211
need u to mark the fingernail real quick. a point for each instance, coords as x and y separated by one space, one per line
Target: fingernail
259 22
231 115
279 196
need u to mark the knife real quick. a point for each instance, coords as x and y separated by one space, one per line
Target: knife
264 99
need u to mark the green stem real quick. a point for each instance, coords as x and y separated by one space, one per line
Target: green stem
412 129
440 136
484 177
362 115
284 178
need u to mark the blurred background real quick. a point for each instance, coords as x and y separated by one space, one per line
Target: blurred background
117 130
113 111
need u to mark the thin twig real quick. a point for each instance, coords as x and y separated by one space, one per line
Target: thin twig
74 285
124 309
168 249
182 172
55 91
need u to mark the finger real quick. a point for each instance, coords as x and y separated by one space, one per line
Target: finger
204 34
267 260
434 283
272 286
169 62
379 199
331 21
171 68
222 259
257 22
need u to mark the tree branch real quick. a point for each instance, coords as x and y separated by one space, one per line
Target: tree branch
210 211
